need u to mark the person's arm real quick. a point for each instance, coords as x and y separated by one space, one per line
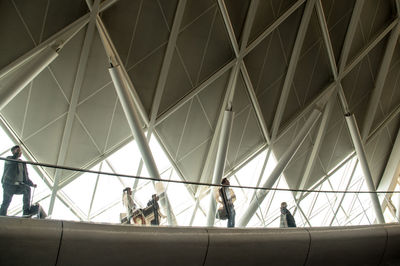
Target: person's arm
233 196
162 215
28 181
217 196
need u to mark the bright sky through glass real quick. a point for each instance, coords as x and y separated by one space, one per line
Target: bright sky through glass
97 198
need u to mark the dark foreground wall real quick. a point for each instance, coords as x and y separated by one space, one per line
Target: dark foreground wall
45 242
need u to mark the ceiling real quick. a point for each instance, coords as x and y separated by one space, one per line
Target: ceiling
185 110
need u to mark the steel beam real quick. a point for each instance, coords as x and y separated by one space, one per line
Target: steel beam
343 195
380 82
327 39
15 81
273 26
255 103
229 93
229 27
294 59
243 53
384 123
398 209
350 34
225 119
317 144
355 135
131 113
87 43
371 45
195 91
392 170
219 167
58 40
94 192
115 60
280 167
162 79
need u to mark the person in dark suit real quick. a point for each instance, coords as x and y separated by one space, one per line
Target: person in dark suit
156 210
15 180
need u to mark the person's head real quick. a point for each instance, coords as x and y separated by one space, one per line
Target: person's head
127 190
16 151
155 197
225 181
283 205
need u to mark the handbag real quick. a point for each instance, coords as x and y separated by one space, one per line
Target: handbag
221 214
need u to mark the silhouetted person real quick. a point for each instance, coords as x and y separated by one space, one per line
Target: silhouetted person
287 219
156 210
15 180
227 197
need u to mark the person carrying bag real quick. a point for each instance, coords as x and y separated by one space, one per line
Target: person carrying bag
226 197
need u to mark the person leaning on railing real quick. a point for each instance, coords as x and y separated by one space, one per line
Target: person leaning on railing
16 180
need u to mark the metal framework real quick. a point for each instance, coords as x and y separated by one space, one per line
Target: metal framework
237 67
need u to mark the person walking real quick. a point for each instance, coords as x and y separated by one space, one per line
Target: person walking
15 180
227 197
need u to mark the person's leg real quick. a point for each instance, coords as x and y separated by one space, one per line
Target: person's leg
26 198
8 192
231 217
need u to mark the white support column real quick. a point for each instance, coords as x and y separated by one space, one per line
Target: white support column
355 135
314 153
280 167
15 81
131 113
220 161
317 144
114 59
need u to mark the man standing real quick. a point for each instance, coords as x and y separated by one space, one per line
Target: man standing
227 197
156 210
287 219
16 181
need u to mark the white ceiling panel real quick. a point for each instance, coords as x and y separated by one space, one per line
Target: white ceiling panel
96 114
97 75
81 149
65 65
15 111
119 127
46 103
45 145
197 130
15 39
171 129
